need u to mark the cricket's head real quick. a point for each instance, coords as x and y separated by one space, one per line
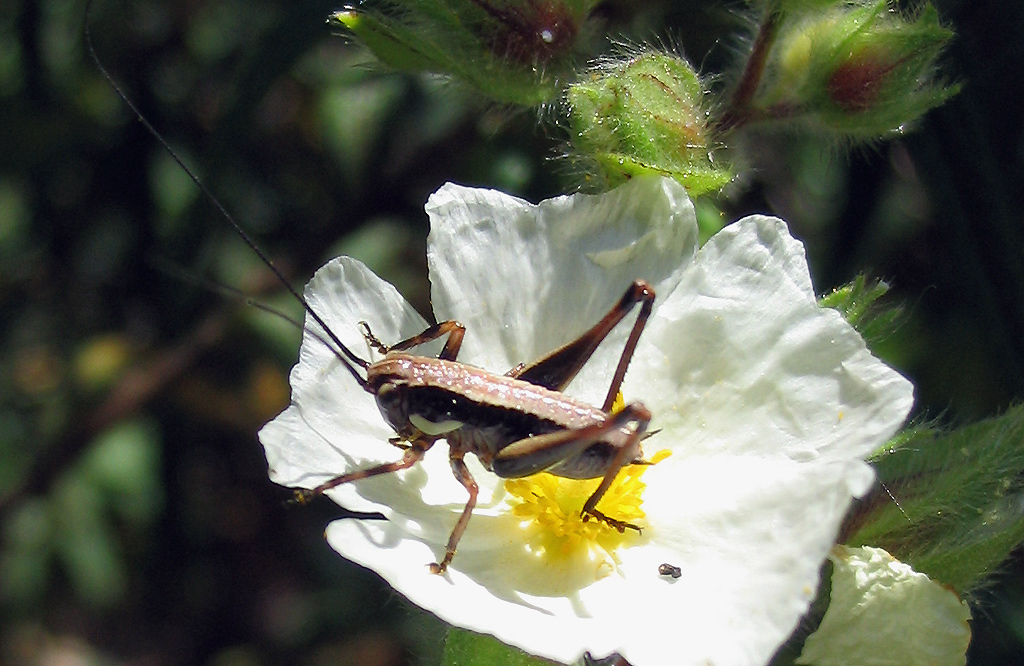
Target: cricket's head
391 396
413 396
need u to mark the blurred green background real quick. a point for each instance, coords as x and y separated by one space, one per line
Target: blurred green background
137 525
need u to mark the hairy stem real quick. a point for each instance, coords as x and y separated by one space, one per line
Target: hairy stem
739 110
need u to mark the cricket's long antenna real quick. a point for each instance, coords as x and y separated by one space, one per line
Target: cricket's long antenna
349 357
237 294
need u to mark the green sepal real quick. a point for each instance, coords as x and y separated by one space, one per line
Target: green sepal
859 303
948 503
492 46
644 114
466 648
387 40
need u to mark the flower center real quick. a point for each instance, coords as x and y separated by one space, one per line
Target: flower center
550 511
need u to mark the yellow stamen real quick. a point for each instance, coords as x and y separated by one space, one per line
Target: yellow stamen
550 507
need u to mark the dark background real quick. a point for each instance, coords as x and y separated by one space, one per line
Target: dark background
137 524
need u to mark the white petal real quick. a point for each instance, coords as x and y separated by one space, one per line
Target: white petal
333 426
525 279
767 402
884 613
749 533
741 359
743 531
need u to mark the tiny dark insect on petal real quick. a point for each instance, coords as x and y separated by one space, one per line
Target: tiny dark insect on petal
669 570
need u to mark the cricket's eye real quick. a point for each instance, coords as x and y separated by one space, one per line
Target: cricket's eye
393 406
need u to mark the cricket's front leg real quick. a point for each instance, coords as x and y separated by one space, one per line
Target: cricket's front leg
453 329
461 473
413 454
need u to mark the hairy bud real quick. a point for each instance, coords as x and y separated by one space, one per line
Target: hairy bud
857 70
644 114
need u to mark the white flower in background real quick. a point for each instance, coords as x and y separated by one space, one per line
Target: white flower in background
884 613
764 403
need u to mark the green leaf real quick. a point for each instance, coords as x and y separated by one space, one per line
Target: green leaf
123 466
948 503
27 535
516 51
85 542
465 648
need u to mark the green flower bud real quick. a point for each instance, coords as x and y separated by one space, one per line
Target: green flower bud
514 51
641 115
858 70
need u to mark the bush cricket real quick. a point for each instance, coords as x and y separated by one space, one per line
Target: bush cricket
516 424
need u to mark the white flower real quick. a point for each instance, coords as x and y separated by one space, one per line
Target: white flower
767 403
884 613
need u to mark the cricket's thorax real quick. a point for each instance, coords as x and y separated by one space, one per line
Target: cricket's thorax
482 413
